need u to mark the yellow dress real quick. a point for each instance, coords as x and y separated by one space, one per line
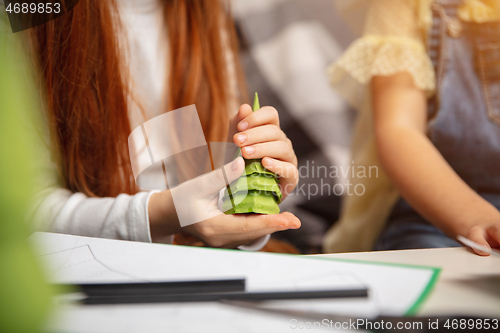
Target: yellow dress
393 41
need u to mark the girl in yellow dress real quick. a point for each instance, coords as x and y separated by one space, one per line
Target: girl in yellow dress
426 79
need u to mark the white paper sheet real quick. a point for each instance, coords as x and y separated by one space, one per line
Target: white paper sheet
393 289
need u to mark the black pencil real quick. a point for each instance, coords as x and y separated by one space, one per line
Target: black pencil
160 288
213 297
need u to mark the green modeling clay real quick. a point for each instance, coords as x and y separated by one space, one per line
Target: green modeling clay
256 191
255 182
255 167
252 202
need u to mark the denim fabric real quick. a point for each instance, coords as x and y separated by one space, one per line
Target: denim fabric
464 120
408 230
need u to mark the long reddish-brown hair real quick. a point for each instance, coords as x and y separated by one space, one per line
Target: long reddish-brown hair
84 77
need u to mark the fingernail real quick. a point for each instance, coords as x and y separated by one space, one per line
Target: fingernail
234 165
249 150
241 138
243 126
269 162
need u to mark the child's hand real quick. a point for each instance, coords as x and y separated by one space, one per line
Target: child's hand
487 236
216 229
192 207
231 231
260 136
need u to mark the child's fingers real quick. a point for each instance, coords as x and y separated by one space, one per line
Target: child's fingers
212 182
259 134
244 111
286 171
255 225
234 230
477 235
282 169
280 150
493 232
263 116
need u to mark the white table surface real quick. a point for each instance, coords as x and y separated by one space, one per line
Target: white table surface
468 284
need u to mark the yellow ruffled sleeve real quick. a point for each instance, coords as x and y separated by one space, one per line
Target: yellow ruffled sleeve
480 11
393 41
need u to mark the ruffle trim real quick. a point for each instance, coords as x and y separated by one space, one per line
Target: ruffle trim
375 55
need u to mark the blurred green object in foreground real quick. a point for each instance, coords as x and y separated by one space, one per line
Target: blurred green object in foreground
256 191
24 296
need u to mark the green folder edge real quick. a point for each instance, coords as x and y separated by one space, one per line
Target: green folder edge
412 310
417 305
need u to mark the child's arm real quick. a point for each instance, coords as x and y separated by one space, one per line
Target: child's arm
421 174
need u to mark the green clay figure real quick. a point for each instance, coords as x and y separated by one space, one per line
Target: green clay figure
255 183
258 202
256 191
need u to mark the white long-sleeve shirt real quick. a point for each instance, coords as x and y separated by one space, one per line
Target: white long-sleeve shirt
125 217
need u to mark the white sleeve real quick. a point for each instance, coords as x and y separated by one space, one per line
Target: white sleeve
124 217
57 209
